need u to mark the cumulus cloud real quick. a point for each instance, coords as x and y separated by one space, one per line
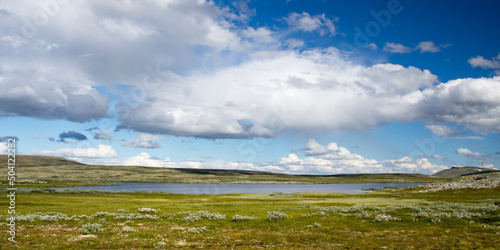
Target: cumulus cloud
102 151
50 70
287 90
307 23
143 140
215 79
314 148
334 159
144 159
480 61
321 159
4 140
396 48
474 103
45 90
312 90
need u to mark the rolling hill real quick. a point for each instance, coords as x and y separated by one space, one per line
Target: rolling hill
463 171
56 169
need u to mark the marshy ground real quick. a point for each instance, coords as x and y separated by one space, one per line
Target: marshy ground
448 213
393 218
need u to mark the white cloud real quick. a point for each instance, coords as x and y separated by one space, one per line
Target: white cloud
474 103
102 151
144 159
423 47
3 147
480 61
307 23
469 154
143 140
294 43
329 159
372 46
103 136
443 130
312 90
48 91
315 89
13 41
314 148
260 36
50 70
396 48
465 138
215 79
332 159
430 47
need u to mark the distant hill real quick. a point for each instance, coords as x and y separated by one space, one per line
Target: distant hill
61 169
463 171
37 160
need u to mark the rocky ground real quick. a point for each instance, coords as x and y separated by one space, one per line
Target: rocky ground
475 181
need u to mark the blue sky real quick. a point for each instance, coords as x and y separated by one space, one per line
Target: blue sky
314 87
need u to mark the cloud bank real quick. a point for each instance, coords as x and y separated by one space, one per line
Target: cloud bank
319 159
200 73
102 151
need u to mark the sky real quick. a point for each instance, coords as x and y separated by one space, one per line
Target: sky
289 86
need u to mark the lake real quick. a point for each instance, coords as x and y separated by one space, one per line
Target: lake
191 188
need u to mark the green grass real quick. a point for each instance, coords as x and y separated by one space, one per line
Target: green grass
390 218
347 221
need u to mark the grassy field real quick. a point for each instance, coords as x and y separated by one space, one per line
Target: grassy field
393 219
449 213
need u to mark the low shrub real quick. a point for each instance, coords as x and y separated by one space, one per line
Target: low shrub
127 229
160 245
90 228
243 218
276 216
385 218
315 225
148 210
135 216
197 230
436 220
363 215
204 214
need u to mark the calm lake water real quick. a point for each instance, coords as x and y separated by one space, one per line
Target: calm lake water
190 188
